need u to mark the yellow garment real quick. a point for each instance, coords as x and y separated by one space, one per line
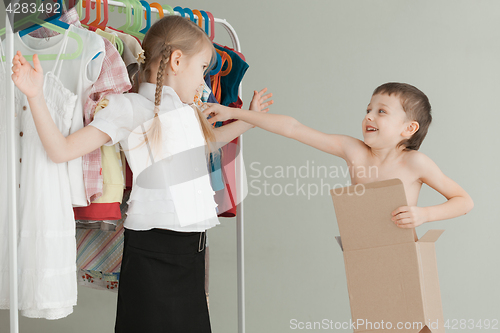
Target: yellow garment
107 35
112 169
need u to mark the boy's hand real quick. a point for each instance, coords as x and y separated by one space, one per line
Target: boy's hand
259 103
28 79
409 216
218 112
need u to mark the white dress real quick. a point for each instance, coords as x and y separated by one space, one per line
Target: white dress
46 229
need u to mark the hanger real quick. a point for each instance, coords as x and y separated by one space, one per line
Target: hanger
56 28
134 29
157 6
207 24
54 19
170 9
197 13
97 22
98 15
190 12
137 21
148 16
226 57
212 25
180 10
28 19
87 12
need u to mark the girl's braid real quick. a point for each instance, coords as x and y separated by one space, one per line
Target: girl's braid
167 50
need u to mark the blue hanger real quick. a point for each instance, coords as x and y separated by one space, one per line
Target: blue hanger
148 17
180 10
54 19
218 67
190 12
205 17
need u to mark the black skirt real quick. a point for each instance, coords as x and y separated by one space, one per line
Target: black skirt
162 283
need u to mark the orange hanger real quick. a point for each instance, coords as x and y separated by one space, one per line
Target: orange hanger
157 6
98 18
225 57
200 17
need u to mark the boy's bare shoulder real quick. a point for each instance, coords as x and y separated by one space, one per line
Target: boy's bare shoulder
420 163
416 158
354 148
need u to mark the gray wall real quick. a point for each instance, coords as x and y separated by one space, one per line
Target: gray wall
322 60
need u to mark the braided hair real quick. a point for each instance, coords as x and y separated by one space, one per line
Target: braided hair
165 36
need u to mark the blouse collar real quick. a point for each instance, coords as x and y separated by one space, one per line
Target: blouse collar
148 90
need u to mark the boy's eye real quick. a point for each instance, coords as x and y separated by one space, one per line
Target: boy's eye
382 111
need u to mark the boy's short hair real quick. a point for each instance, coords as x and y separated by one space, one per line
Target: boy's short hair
417 107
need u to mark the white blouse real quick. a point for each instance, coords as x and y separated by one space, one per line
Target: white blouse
171 186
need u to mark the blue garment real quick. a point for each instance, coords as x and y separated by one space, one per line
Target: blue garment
215 162
230 83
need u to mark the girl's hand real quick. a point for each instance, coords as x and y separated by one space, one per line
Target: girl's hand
28 79
218 112
409 216
259 103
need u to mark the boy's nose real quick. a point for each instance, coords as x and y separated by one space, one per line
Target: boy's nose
369 116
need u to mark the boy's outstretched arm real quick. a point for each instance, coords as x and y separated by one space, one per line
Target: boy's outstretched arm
227 133
339 145
459 202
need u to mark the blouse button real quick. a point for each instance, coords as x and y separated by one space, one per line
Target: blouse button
24 108
21 133
196 169
20 160
199 191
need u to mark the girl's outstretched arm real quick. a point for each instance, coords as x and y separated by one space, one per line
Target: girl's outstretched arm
339 145
59 148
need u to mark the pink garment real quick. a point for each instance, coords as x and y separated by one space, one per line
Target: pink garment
113 79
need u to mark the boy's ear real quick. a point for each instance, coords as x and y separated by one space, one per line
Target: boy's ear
411 128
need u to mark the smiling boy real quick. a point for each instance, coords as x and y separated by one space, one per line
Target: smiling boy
395 124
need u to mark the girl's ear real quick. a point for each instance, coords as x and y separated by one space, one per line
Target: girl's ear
175 60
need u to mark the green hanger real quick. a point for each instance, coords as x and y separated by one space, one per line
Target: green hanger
27 19
132 27
119 45
56 28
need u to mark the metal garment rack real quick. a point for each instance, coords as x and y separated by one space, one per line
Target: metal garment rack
11 169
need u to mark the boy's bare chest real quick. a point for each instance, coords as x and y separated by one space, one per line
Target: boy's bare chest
363 173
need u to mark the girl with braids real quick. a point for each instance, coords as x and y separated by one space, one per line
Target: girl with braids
166 140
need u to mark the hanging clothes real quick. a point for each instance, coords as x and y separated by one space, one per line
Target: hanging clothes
132 43
231 82
106 207
113 78
227 85
47 246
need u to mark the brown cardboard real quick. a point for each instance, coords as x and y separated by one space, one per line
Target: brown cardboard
392 276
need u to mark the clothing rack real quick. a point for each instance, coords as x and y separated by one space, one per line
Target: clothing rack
11 169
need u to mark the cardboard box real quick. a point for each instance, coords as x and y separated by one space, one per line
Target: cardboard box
392 276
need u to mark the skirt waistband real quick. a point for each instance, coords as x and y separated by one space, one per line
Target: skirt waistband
166 241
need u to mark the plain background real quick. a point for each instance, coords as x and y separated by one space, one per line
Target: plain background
322 60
